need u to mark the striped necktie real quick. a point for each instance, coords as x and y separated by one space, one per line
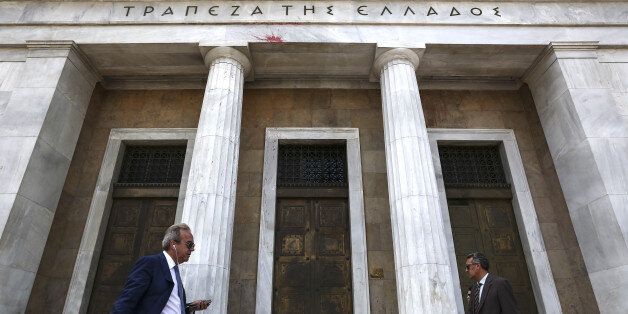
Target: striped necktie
179 288
476 298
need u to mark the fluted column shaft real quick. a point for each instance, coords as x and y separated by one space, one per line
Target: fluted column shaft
422 265
210 196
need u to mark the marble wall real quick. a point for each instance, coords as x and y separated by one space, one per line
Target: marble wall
42 107
580 95
313 108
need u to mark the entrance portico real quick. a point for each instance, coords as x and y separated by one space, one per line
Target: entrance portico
299 65
550 79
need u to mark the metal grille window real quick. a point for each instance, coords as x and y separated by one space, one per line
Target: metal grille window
152 166
472 167
312 166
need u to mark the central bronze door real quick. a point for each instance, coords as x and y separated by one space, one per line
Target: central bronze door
312 272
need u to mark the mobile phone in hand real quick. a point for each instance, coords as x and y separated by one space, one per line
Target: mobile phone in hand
192 307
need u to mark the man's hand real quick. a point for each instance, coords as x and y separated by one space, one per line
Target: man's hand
199 305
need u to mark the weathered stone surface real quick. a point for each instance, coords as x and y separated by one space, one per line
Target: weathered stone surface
585 134
39 127
341 12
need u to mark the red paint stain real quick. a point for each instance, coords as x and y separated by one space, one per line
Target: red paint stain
272 38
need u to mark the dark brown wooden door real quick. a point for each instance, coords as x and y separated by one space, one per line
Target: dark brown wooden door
136 228
312 271
489 226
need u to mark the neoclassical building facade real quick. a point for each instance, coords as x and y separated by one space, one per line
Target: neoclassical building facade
329 156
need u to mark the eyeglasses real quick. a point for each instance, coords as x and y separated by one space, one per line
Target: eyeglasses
189 244
466 266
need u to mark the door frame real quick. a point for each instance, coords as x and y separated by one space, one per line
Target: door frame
81 284
357 226
541 277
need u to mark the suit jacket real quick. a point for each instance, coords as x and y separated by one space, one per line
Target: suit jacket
147 288
496 297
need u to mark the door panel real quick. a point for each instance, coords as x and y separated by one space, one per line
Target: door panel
136 227
489 226
312 257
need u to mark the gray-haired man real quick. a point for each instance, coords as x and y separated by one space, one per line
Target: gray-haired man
491 294
154 284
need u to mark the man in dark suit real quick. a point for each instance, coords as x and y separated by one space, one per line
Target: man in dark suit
491 294
154 284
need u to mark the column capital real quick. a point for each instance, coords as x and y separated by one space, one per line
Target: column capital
385 55
210 54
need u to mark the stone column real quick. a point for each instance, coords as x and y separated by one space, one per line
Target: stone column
582 105
40 122
421 259
210 197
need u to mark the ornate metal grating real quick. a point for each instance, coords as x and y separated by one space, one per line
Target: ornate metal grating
472 167
152 166
312 166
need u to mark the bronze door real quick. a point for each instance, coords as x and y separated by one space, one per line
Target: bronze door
312 272
489 226
136 228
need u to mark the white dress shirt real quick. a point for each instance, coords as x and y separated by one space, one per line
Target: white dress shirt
174 302
482 281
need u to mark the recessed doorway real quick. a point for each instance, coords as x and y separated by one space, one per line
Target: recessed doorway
350 139
482 217
312 259
144 206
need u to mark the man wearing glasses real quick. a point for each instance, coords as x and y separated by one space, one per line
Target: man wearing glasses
154 284
491 294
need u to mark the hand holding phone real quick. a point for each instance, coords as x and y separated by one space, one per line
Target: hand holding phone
197 305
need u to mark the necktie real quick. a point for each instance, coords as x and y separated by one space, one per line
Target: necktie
179 288
476 298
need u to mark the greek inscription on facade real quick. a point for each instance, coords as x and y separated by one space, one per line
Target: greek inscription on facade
272 10
305 9
361 10
257 11
168 11
187 10
287 8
